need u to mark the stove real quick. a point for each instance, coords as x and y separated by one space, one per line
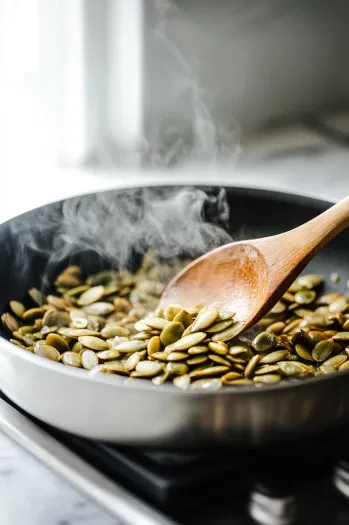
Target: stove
304 483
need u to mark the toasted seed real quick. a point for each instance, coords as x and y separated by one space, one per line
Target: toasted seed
186 342
17 308
171 333
219 326
206 317
94 343
242 382
305 297
241 352
341 336
58 342
228 378
154 345
326 369
156 322
108 355
9 322
310 281
92 295
159 380
209 372
340 305
182 382
198 350
279 308
229 333
292 368
33 313
53 317
266 369
100 308
30 339
72 359
344 366
304 352
218 359
251 365
47 351
177 356
18 343
276 328
274 357
322 350
77 332
267 379
171 311
177 368
219 348
112 367
160 356
89 359
264 341
130 346
148 368
291 326
224 315
198 360
207 384
132 361
183 317
336 360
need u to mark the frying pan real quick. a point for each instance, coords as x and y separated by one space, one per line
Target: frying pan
118 410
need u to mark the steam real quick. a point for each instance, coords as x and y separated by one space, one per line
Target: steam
114 226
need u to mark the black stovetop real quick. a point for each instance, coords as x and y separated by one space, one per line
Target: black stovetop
301 483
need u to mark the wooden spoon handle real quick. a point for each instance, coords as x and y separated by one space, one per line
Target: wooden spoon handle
320 230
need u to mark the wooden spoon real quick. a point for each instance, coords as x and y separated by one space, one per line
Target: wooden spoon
249 277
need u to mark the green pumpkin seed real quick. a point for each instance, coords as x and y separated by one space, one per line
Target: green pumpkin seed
92 295
336 361
266 369
177 356
47 351
72 359
154 345
148 368
276 328
33 313
207 384
230 377
304 352
322 350
274 357
94 343
182 382
156 322
219 348
18 343
341 337
9 322
218 359
132 361
267 379
113 330
100 308
340 305
159 380
344 366
171 311
109 355
198 360
228 334
305 297
220 326
264 341
224 315
241 352
326 369
57 342
242 382
160 356
30 339
17 308
186 342
310 281
179 369
75 332
205 318
171 333
251 366
292 368
130 346
111 367
198 350
183 317
279 308
209 372
89 359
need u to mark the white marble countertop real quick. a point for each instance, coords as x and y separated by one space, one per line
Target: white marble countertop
29 492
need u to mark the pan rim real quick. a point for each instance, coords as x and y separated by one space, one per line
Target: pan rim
144 385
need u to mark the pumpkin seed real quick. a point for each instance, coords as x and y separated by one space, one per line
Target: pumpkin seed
209 372
183 317
156 322
335 361
304 353
326 369
76 332
220 326
279 308
171 333
340 305
251 366
132 361
148 368
206 317
94 343
154 345
224 315
341 337
112 367
267 379
292 368
182 382
92 295
17 308
89 359
109 355
186 342
160 356
230 377
218 359
219 348
72 359
130 346
266 369
100 308
9 322
198 350
264 341
322 350
310 281
274 357
241 351
207 384
47 351
276 328
179 369
344 366
305 297
171 311
228 334
243 381
57 342
177 356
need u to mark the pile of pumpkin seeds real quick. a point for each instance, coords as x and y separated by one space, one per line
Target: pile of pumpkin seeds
110 323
